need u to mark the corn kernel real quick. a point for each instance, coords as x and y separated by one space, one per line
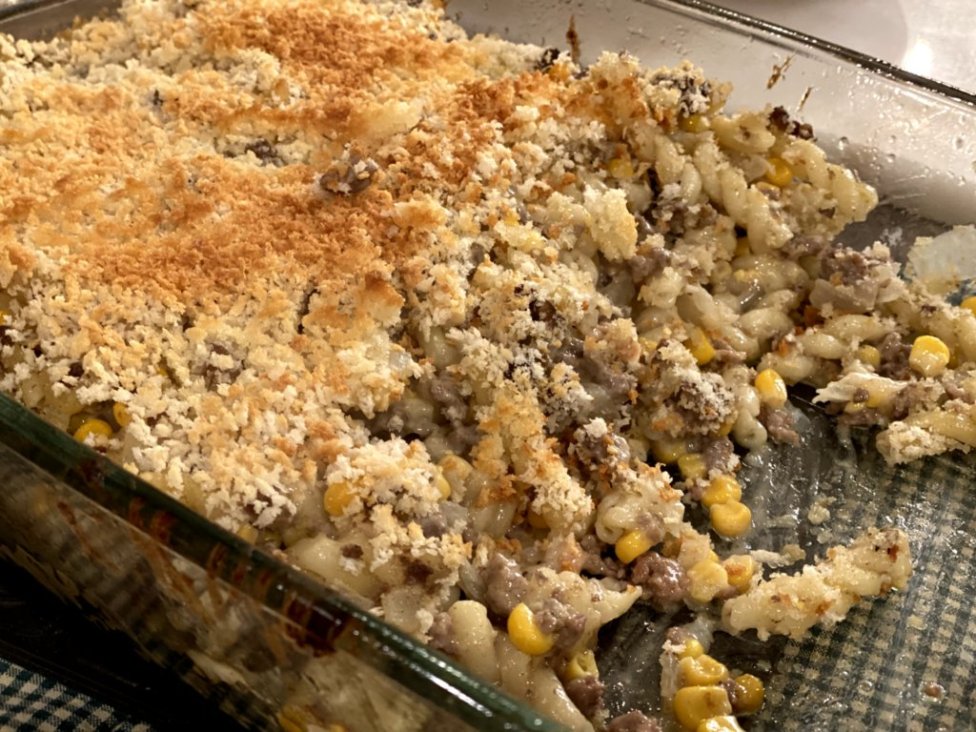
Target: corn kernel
442 485
742 247
694 704
730 519
93 427
525 634
288 724
869 355
537 520
668 451
631 545
4 316
120 413
771 388
581 665
725 723
929 356
969 303
701 671
692 466
337 498
621 168
778 172
700 346
740 568
706 579
694 123
748 694
722 489
693 649
248 533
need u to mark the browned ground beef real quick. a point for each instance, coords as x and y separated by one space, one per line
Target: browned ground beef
663 580
634 722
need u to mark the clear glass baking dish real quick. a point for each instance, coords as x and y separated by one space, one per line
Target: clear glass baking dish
279 650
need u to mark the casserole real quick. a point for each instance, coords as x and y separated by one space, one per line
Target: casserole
271 679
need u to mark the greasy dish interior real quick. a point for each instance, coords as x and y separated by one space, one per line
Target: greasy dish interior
459 325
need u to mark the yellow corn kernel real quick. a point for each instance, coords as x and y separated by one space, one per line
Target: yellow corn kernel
869 355
4 316
692 649
694 704
700 346
722 489
121 414
929 356
337 498
725 723
248 533
706 579
442 485
287 724
730 519
701 671
748 694
631 545
621 168
692 466
969 303
525 634
778 172
580 665
537 520
93 427
668 451
771 388
742 248
694 123
740 569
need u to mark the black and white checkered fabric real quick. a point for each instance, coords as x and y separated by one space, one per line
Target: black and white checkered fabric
30 702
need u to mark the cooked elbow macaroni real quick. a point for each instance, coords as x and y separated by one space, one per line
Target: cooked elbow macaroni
418 308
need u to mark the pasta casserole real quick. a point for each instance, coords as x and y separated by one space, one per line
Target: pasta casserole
471 331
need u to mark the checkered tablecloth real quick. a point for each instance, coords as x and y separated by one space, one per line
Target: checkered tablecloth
32 702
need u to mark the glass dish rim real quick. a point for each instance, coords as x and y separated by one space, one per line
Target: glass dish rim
743 23
429 674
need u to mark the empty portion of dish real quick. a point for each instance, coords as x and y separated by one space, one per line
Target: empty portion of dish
457 325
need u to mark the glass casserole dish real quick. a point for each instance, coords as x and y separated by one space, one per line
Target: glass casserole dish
163 574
